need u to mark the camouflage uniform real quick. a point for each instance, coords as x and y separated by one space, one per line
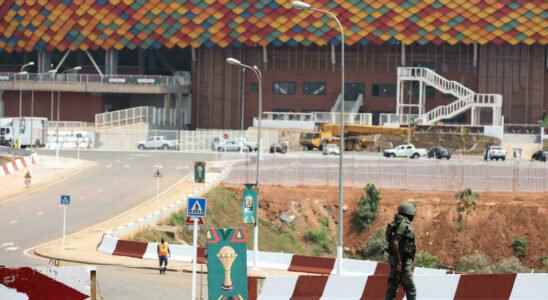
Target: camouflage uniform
401 250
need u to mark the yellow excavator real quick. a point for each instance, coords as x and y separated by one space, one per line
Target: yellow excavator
356 137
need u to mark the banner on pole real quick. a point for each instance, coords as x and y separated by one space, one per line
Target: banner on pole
227 264
249 204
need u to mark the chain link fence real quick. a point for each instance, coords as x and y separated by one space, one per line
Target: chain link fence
426 175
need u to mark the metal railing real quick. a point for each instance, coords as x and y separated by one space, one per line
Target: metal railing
70 124
153 116
387 118
320 117
455 88
117 79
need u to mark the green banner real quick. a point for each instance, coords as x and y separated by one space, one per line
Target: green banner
199 171
227 264
249 204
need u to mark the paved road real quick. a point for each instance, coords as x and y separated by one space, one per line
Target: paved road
118 182
421 174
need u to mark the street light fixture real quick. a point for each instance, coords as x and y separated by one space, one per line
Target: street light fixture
22 72
304 5
257 72
54 72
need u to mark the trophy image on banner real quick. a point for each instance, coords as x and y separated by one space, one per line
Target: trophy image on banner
249 205
227 255
227 263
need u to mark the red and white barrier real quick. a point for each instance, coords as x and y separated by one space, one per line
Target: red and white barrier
444 287
267 260
45 283
18 164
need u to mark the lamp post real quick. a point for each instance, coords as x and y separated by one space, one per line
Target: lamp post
22 72
257 72
306 6
53 72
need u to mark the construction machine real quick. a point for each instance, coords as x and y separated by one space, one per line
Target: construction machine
356 137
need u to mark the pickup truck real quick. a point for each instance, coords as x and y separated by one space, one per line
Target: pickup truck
405 150
157 142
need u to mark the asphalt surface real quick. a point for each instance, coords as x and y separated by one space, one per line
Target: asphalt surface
313 168
119 181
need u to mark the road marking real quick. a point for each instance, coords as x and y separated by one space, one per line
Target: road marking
27 252
99 190
108 166
40 213
127 166
7 244
13 222
10 249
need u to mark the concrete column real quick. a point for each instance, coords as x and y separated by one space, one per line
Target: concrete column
44 61
421 98
2 107
111 62
403 54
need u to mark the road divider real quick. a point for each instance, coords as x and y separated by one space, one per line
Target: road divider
447 287
267 260
18 164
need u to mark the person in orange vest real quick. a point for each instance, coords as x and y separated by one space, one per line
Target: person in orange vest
163 253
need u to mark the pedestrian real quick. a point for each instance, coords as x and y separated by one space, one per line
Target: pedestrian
401 250
163 253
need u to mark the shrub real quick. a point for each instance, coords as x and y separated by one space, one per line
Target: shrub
427 260
375 246
466 203
176 219
320 237
368 208
520 246
476 262
544 262
509 265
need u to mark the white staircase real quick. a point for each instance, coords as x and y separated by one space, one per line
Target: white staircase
467 99
350 106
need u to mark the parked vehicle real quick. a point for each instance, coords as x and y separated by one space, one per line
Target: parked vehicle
279 147
540 156
157 142
331 149
439 153
26 131
233 146
405 150
494 152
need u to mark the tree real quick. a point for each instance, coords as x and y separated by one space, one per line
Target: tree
368 208
466 203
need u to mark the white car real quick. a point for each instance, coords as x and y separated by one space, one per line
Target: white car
405 150
495 153
331 149
157 142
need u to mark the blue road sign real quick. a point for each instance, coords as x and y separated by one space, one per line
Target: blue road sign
65 200
196 207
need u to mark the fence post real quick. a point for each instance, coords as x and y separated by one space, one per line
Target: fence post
93 285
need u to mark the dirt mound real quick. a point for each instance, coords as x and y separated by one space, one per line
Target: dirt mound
490 229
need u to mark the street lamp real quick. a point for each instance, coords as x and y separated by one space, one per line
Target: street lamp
304 5
53 73
22 72
257 72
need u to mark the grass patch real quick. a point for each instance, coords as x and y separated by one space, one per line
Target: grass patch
151 235
224 209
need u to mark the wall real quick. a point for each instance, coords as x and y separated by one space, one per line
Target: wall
518 73
216 85
74 106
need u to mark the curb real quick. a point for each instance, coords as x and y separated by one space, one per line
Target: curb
18 164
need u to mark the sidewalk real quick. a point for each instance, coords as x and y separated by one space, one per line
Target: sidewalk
48 171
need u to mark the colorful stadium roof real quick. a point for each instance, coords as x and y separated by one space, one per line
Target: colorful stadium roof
90 24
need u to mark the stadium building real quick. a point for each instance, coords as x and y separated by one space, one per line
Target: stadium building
106 55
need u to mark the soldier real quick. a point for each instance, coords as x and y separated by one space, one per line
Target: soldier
401 250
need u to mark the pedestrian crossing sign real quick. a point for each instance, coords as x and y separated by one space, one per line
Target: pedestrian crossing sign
196 207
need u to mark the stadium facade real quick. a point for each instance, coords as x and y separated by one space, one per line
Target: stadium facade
491 46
